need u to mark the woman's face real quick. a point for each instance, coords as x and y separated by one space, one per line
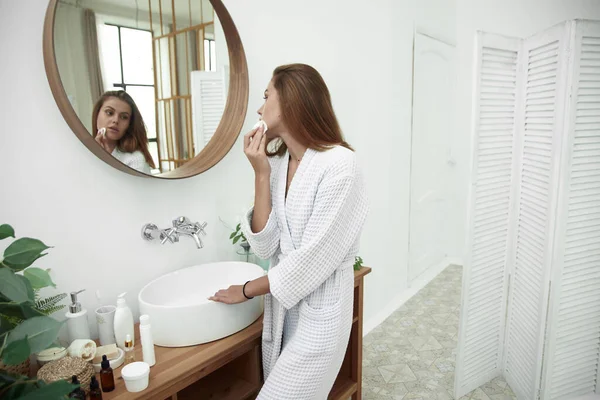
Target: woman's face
114 115
270 112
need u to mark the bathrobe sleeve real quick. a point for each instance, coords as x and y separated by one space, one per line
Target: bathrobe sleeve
266 242
338 214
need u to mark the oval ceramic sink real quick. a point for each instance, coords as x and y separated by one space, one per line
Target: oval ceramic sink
179 309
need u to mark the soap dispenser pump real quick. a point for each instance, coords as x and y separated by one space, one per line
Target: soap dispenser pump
77 322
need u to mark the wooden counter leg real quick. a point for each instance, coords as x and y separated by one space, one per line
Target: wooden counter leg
357 346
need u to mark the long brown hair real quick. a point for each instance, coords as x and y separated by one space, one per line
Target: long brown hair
135 138
306 109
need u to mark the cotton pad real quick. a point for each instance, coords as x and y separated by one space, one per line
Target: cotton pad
259 124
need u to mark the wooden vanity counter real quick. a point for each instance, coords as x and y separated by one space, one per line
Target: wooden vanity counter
231 368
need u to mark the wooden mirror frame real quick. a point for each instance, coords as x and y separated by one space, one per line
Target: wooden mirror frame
229 126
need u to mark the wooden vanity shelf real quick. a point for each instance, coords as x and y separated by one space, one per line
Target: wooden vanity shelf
231 368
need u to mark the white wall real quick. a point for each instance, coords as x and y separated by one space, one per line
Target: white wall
506 17
387 236
56 190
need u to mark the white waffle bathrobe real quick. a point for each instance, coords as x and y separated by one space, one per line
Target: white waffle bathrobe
311 238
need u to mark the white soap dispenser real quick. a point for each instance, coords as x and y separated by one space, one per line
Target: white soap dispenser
77 322
123 322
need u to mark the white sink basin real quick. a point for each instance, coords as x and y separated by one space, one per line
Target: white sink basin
179 309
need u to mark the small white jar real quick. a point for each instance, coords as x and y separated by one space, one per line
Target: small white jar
136 376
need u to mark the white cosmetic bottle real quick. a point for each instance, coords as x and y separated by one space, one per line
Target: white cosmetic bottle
123 322
77 322
147 341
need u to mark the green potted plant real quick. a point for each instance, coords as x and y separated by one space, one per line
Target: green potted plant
238 235
358 263
25 324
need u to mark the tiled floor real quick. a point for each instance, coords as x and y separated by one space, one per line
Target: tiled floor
411 356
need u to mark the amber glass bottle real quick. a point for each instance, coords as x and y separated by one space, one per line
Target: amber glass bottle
107 378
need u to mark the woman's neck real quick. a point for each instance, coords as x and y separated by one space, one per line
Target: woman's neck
111 144
295 148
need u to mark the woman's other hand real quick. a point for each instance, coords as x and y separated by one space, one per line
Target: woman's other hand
232 295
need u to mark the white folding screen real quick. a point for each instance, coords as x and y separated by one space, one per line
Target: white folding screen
209 94
573 340
483 308
539 136
531 286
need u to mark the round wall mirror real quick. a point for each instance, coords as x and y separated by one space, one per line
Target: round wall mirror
155 88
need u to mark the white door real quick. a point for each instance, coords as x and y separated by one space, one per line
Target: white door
432 116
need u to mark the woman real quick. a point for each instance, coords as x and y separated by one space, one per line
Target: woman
309 209
124 134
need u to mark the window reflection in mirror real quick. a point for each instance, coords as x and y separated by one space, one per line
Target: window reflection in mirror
170 57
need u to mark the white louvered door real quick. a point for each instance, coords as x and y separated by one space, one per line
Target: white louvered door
208 104
573 342
479 357
539 140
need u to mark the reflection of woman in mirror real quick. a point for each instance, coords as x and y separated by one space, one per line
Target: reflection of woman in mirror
124 134
309 209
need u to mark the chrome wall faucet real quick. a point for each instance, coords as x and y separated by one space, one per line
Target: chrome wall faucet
181 226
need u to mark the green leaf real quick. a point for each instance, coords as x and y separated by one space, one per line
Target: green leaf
19 267
6 231
236 239
12 287
51 304
41 331
5 325
17 389
16 352
14 386
54 390
232 235
30 291
3 338
38 278
24 310
7 378
23 252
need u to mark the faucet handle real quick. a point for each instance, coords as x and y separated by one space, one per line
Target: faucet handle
199 228
170 235
150 232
